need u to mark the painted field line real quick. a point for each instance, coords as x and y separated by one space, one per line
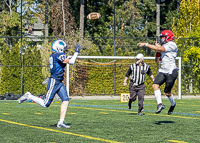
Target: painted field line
135 112
58 131
175 141
173 116
103 112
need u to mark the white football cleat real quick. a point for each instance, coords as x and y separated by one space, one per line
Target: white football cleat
24 97
62 125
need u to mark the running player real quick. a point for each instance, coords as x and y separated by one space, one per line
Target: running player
57 63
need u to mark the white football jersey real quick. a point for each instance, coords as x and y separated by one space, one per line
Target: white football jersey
168 62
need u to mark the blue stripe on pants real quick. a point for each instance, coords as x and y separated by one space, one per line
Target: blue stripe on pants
55 86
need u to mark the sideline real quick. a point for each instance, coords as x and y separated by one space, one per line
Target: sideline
58 131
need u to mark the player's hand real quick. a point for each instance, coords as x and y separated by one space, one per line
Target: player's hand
157 44
124 84
141 44
78 47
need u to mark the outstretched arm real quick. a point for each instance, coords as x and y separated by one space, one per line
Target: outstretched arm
73 59
156 47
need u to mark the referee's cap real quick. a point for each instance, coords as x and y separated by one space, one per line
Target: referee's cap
140 56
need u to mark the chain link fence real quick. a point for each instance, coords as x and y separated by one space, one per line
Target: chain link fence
19 76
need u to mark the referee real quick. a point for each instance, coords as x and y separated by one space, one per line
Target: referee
136 85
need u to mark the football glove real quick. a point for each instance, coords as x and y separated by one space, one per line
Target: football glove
78 47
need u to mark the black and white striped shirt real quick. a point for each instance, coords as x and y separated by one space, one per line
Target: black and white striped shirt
138 73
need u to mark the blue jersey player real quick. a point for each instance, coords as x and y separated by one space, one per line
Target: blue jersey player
57 63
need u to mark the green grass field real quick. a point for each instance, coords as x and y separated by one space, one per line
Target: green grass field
100 121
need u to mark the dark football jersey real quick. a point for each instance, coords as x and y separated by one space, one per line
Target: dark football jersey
56 66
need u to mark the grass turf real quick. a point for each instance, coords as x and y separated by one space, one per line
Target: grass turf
100 121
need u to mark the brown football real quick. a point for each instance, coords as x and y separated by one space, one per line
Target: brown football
93 16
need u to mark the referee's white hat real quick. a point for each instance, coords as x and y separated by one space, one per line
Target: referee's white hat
140 56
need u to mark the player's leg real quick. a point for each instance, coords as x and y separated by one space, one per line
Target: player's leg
133 94
63 109
52 89
159 80
29 96
24 97
170 80
140 93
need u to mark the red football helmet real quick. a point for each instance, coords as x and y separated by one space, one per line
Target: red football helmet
169 35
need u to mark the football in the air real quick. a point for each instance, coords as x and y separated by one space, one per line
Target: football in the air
93 16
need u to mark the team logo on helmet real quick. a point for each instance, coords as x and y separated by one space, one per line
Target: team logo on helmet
59 46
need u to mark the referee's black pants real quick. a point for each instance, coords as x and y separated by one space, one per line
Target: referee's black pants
135 91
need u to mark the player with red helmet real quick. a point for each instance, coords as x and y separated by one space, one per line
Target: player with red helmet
168 72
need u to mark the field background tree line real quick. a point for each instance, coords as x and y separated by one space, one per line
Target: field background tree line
135 21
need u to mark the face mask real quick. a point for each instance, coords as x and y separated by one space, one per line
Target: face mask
65 49
162 42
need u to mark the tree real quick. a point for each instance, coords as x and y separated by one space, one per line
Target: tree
81 27
186 31
5 74
158 17
10 73
38 88
9 23
169 10
189 17
28 78
192 58
62 21
32 74
15 71
187 23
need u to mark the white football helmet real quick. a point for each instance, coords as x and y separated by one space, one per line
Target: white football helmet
59 46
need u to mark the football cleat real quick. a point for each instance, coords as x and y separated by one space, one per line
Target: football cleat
62 125
171 109
140 114
24 97
160 107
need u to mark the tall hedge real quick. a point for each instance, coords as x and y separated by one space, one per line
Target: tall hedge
38 88
10 79
5 70
15 71
10 73
28 71
33 72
